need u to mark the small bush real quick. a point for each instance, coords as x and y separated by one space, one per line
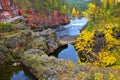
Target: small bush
109 53
106 58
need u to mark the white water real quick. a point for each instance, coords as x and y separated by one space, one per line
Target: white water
72 29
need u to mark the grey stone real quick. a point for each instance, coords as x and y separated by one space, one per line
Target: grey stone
12 41
39 43
19 39
20 25
16 19
46 32
66 40
34 51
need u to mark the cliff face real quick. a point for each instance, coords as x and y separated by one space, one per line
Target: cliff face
8 10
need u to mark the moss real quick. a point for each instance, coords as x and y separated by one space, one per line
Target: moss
5 27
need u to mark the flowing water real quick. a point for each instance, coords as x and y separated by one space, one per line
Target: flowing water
72 29
10 72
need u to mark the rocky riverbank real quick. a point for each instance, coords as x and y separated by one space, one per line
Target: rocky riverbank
35 20
30 39
32 49
16 42
44 67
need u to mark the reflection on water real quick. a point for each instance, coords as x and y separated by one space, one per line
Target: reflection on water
20 75
69 54
9 72
72 29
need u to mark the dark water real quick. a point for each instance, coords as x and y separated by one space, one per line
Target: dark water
69 53
57 51
72 29
9 72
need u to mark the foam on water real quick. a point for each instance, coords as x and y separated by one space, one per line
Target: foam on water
73 29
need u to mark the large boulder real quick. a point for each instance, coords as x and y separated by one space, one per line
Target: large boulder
46 41
16 43
19 39
51 68
16 19
39 43
64 40
50 39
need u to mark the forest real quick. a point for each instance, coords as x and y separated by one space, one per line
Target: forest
60 39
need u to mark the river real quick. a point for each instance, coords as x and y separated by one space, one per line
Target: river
72 29
10 72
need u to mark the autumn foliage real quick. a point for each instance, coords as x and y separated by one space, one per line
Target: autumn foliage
107 53
36 20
